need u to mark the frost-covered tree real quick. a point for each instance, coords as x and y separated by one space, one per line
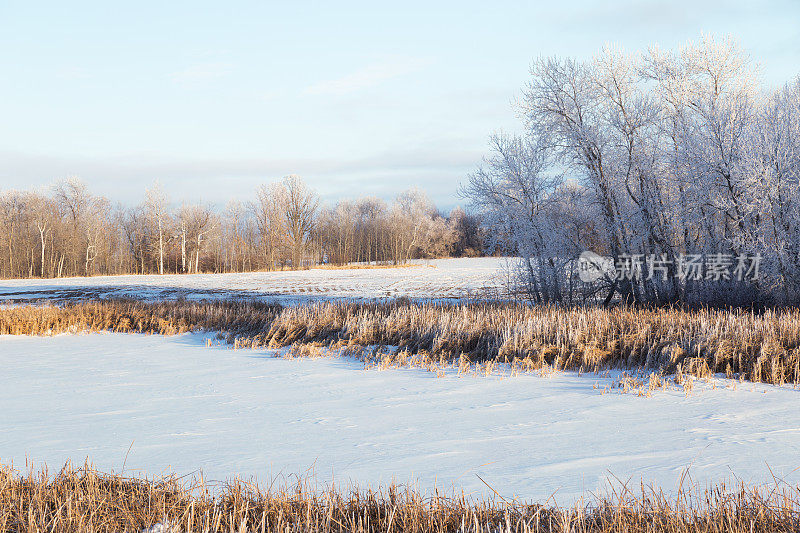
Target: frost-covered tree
523 203
667 154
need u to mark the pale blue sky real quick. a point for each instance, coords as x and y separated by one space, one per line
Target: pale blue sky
214 98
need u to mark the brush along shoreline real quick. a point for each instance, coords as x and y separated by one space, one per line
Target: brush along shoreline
758 347
83 499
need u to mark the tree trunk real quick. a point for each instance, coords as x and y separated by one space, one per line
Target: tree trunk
160 248
41 234
183 247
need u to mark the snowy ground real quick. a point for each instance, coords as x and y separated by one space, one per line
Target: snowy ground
437 279
180 406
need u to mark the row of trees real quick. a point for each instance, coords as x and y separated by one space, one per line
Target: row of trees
655 156
67 231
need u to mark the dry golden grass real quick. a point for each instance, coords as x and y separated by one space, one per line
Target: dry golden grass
761 347
84 500
360 266
348 266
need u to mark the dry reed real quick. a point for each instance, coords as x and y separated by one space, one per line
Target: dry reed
760 347
84 500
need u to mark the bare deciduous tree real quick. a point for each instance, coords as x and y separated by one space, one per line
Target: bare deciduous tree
300 206
668 154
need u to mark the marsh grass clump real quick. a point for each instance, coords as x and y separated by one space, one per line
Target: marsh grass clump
85 500
759 347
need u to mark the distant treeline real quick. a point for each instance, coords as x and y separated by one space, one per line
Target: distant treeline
68 231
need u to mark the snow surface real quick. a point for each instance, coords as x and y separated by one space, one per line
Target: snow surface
180 406
436 279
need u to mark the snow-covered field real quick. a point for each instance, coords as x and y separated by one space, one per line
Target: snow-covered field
170 404
438 279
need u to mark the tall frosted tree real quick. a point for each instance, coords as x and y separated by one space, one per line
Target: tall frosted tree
653 155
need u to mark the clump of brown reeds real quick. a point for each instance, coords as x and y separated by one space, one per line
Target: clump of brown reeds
85 500
761 347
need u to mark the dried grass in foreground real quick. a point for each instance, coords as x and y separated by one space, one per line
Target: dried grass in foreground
760 347
84 500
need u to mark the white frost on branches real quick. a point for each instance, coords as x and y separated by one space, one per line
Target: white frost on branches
658 154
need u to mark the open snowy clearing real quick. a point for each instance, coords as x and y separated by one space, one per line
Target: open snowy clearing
437 279
170 404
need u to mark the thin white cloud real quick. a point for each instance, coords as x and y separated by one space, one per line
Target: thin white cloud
200 73
367 77
71 73
438 169
24 167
